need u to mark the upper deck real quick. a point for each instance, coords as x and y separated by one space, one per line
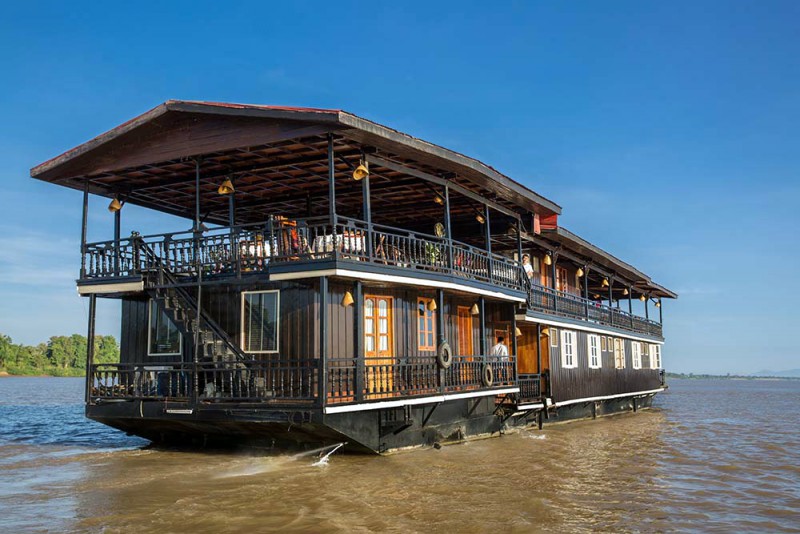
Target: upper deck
293 206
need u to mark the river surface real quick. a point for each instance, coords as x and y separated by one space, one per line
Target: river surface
712 456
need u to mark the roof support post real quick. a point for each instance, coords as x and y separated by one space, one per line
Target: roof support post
646 309
117 224
514 346
611 300
553 281
331 182
660 311
482 325
90 345
198 267
488 235
630 304
440 330
586 291
84 221
232 230
358 345
367 210
322 381
448 231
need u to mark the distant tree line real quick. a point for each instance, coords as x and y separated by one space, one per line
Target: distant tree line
59 356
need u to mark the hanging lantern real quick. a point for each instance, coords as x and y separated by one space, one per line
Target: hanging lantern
548 259
432 305
226 187
348 299
642 297
625 291
517 331
474 310
361 172
605 282
115 205
580 272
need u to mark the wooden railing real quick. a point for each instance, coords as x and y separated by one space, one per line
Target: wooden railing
556 302
296 380
530 387
255 247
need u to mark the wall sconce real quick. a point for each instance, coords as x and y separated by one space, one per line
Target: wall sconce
474 310
347 300
115 205
548 259
439 200
432 305
580 272
226 187
605 282
361 172
517 332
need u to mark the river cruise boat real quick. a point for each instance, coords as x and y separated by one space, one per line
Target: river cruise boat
341 281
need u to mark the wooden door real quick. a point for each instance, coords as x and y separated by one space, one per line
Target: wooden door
465 331
528 361
379 345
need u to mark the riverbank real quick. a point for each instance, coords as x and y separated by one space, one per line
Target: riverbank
44 373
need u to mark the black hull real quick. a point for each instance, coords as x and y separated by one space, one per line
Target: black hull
370 431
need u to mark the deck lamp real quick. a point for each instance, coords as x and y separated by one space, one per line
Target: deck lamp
545 331
642 297
605 282
115 205
517 331
432 305
474 310
548 259
226 187
658 303
580 272
625 291
347 300
361 172
480 218
439 200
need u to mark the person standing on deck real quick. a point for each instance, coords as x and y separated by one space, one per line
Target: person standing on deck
500 350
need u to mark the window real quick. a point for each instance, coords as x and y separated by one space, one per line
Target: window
619 353
562 283
569 359
553 337
636 354
426 320
163 337
603 345
655 356
378 326
260 321
595 360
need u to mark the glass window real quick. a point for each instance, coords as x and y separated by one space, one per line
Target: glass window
553 337
569 359
603 345
260 321
163 337
595 360
636 354
426 329
655 356
619 353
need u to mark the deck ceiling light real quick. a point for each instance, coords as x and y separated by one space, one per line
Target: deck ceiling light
361 172
474 310
596 296
432 305
480 218
545 331
580 272
226 187
548 259
438 199
605 282
517 331
625 291
658 304
642 297
347 300
115 205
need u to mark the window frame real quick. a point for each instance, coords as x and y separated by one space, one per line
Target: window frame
243 338
619 363
151 303
636 354
655 354
428 315
573 354
598 356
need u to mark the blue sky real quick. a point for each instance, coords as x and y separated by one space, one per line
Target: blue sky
667 131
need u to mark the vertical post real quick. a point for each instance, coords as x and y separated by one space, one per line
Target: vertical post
84 221
519 241
440 331
554 281
482 321
630 304
117 224
358 327
331 183
660 312
90 345
488 236
448 230
611 300
198 267
586 290
323 341
646 311
234 254
514 346
367 209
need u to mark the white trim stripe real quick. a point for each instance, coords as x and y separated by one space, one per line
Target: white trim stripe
422 400
526 407
92 289
609 397
396 279
582 328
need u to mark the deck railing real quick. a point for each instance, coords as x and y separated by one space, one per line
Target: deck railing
554 302
279 381
255 247
530 387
